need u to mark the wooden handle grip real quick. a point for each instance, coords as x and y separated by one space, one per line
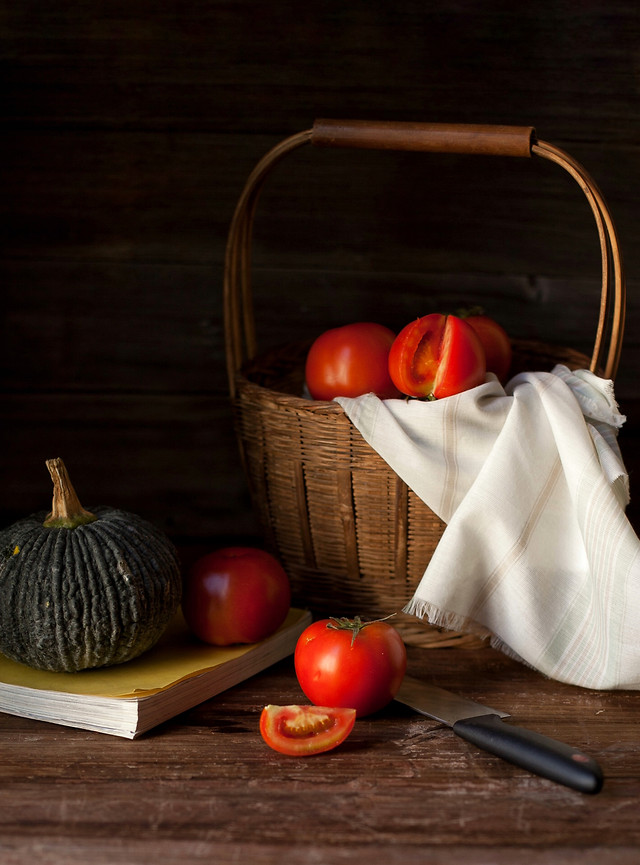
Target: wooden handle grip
425 137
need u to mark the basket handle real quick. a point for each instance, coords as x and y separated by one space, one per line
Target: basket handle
240 342
425 137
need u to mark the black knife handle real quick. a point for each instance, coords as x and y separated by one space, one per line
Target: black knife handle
533 751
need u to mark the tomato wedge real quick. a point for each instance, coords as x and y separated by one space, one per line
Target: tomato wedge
437 356
303 730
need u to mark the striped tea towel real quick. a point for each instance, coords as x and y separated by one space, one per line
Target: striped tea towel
538 554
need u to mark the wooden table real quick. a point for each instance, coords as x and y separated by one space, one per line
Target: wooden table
402 789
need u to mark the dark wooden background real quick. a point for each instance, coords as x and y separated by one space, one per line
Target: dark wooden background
128 130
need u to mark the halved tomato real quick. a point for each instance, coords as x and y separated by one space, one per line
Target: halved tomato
437 356
304 730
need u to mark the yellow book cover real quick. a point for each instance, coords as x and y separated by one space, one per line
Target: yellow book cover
179 672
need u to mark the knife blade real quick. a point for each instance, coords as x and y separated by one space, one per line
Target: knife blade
485 728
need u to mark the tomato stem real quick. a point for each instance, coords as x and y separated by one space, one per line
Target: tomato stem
355 625
469 311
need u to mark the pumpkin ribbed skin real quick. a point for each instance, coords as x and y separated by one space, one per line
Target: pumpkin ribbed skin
92 596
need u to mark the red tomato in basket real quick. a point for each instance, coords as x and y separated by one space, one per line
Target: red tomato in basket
347 662
496 344
236 595
303 730
350 361
437 356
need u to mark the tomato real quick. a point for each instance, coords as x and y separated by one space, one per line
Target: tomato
303 730
437 356
347 662
236 595
496 344
350 361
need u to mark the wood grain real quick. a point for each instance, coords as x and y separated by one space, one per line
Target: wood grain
128 133
402 787
158 456
215 65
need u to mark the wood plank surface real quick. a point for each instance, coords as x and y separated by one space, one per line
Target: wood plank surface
129 131
402 788
139 328
158 456
218 65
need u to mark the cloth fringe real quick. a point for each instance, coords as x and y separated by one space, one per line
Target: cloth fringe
444 618
455 622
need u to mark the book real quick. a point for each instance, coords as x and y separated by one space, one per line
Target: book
129 699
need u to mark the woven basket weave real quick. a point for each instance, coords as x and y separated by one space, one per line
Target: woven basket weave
351 535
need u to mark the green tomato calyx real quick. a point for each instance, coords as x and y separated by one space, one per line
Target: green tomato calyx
355 625
469 311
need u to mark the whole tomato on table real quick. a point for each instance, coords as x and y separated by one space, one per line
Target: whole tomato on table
350 361
437 356
347 662
236 595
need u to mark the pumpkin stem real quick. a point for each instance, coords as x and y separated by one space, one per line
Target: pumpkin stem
66 510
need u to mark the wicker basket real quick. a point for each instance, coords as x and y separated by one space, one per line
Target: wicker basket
351 535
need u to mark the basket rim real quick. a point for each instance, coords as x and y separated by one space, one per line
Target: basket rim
280 397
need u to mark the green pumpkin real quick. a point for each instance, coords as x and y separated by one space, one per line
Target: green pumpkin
81 589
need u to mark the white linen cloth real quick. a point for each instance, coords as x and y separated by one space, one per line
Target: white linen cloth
538 554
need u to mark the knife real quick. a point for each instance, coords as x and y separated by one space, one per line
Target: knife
484 727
